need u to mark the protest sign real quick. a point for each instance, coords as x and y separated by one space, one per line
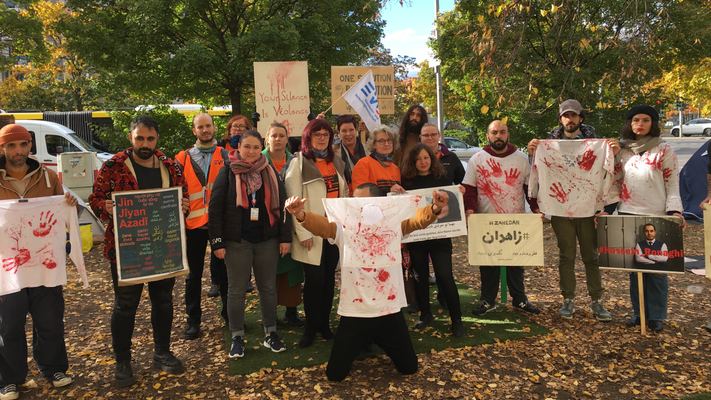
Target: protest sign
281 91
450 221
342 78
506 240
638 243
149 230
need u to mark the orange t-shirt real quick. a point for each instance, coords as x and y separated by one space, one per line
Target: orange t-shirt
17 175
279 165
369 170
330 178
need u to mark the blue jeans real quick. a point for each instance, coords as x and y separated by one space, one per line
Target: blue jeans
656 295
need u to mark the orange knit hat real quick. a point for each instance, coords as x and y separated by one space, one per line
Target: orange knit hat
13 132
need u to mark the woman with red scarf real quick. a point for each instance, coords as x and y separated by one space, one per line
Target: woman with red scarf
248 229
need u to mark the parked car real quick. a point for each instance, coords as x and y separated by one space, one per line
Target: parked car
699 126
461 149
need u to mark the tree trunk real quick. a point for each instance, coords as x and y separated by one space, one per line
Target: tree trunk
236 99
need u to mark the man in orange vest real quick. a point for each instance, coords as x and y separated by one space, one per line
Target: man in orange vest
201 164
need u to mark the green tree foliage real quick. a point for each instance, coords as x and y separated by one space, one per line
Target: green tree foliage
516 60
174 129
425 87
21 34
204 50
381 56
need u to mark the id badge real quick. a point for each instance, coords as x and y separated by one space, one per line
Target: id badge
254 214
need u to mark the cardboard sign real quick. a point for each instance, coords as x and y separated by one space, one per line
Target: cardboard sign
624 244
342 78
450 221
510 240
149 230
281 91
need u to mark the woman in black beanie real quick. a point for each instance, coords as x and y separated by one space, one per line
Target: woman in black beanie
646 183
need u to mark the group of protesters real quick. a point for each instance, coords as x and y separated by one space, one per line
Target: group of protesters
259 207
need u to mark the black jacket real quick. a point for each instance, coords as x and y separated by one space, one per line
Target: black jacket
452 164
226 218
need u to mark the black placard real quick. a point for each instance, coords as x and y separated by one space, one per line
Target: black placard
150 235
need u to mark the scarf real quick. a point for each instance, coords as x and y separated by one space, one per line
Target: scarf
641 145
358 153
206 149
385 161
252 176
321 155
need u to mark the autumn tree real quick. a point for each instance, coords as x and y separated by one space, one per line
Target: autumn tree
51 77
204 50
692 81
518 59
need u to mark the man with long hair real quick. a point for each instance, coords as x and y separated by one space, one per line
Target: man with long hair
410 126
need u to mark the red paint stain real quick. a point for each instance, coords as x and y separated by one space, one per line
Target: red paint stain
624 193
47 222
391 297
588 160
559 193
495 167
667 173
357 300
486 188
383 275
49 264
368 269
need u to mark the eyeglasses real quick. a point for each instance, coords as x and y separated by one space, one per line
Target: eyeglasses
383 141
431 135
320 135
240 127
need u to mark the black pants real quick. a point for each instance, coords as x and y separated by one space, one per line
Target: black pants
218 270
490 277
440 251
46 306
354 334
123 316
196 245
318 289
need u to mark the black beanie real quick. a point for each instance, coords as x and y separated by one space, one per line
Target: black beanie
643 109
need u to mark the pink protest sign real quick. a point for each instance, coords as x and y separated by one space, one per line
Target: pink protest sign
281 92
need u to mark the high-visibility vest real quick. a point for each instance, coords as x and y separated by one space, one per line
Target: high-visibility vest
199 195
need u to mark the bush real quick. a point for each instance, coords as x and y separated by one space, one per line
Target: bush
174 129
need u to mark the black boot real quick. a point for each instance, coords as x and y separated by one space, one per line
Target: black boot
292 316
124 374
168 363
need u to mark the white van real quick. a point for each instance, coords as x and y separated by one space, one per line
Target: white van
50 139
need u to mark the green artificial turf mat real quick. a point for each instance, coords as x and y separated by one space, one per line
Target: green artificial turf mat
501 325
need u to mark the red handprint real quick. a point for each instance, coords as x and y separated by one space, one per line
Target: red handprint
22 257
47 222
487 189
512 176
559 193
588 160
654 161
667 173
495 167
483 173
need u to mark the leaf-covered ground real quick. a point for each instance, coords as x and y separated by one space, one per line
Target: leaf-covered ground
581 358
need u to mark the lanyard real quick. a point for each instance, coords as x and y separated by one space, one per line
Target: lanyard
254 199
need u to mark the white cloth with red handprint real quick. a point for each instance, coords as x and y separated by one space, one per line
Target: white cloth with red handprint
33 246
648 183
368 237
499 182
568 176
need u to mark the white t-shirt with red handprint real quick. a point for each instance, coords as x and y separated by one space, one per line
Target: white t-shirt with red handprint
499 182
568 176
33 246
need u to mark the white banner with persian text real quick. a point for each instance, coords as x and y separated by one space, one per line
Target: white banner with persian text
450 221
506 240
281 91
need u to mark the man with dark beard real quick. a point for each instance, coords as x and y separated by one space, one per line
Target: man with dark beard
567 229
410 126
137 168
496 183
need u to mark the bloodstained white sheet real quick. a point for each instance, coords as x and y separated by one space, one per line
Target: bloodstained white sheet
568 176
33 248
